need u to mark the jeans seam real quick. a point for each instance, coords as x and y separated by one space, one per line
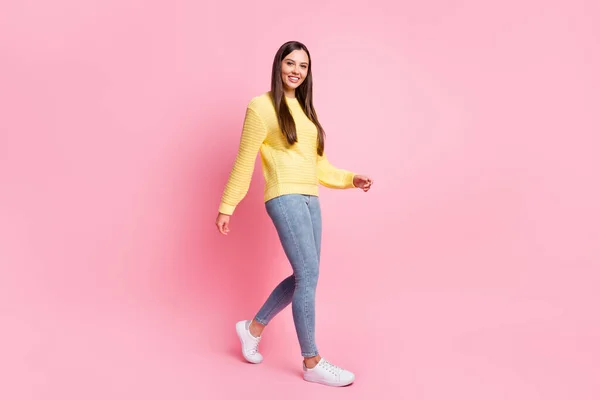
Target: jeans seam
277 303
304 305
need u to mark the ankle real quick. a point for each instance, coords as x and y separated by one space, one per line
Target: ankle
311 362
255 328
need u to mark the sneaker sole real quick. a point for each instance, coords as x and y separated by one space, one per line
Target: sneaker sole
335 384
238 326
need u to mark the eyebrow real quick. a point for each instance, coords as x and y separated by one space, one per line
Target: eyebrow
289 59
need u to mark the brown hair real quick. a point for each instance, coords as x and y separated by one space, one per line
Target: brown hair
303 94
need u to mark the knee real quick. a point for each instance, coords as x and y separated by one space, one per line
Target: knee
291 280
307 278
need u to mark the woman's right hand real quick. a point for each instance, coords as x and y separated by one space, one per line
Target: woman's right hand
223 223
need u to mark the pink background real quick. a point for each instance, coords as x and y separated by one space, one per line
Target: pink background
470 271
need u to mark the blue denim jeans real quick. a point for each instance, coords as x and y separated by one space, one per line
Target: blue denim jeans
297 219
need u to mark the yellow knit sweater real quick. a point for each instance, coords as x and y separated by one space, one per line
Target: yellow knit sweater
287 169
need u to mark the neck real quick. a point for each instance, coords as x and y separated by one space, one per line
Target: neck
291 93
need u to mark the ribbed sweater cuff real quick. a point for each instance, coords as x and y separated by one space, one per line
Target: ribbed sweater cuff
226 209
350 180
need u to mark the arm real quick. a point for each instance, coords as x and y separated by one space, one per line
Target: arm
253 135
331 176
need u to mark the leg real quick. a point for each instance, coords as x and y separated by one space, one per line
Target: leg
277 301
292 219
281 296
314 208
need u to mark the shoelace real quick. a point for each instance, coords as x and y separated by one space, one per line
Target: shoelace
334 369
254 347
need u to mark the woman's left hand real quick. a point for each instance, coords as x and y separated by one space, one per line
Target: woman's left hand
362 182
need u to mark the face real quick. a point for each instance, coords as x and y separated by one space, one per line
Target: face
294 69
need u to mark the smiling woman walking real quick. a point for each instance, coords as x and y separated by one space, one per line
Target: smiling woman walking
282 124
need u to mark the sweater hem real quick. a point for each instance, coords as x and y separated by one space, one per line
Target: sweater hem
290 188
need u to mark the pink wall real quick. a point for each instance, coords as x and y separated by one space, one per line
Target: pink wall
470 271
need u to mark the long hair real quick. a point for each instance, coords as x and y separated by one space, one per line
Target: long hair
303 94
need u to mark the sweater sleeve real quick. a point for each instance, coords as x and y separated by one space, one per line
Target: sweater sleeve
253 135
331 176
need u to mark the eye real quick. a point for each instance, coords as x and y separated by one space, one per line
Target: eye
290 63
304 66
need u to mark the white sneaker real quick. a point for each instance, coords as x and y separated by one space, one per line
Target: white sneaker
328 374
249 342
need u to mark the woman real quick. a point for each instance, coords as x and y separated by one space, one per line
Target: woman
282 124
